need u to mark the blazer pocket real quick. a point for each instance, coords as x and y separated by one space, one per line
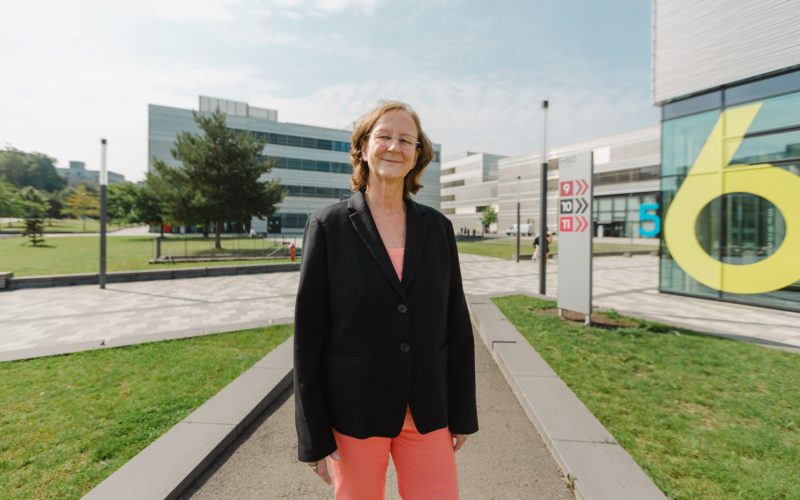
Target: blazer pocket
347 356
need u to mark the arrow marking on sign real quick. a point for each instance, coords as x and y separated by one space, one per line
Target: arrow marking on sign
583 186
582 224
582 206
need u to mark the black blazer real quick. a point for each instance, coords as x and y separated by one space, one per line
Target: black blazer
365 344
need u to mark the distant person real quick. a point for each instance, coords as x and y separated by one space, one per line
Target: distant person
384 360
537 246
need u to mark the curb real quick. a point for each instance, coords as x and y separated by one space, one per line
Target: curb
91 345
589 457
131 276
172 462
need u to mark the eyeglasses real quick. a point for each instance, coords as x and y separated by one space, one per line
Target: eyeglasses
407 143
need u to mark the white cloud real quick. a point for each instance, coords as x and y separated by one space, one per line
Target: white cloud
194 10
483 114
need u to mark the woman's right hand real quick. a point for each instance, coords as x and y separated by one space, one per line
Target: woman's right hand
321 467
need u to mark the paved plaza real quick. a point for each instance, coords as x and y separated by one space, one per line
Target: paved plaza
35 322
507 459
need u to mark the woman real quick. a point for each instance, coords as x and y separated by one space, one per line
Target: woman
383 355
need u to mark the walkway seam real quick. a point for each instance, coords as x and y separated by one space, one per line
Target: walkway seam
590 459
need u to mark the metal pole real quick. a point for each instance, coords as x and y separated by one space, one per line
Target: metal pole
519 228
103 211
543 245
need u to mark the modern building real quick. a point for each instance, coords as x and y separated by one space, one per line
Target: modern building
626 177
469 186
312 163
726 74
77 174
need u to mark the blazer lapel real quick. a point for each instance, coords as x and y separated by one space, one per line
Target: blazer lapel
416 227
365 227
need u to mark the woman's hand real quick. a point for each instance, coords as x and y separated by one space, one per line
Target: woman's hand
320 467
458 440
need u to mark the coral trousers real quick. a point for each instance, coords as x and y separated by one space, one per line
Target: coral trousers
425 465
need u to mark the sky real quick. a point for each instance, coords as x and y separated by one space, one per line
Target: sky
476 71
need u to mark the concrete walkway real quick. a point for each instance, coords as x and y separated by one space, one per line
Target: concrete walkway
505 459
37 322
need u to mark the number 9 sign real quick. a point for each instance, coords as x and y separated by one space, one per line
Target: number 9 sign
711 177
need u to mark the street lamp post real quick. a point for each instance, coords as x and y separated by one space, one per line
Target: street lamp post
543 208
103 211
519 228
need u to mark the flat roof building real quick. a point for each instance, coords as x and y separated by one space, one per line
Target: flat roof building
726 74
77 174
312 163
469 186
625 177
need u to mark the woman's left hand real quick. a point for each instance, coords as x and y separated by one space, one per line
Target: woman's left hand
458 440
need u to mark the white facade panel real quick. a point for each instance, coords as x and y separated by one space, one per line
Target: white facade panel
702 44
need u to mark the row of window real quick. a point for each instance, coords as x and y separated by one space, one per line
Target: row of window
627 175
318 192
732 95
307 142
290 221
315 165
299 141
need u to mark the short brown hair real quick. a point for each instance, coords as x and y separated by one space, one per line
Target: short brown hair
361 132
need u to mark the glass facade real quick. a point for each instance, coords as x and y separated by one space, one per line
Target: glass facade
730 191
619 216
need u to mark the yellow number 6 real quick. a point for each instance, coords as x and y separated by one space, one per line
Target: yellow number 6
708 179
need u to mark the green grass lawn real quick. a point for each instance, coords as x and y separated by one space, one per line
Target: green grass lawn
705 417
505 248
68 422
64 226
81 254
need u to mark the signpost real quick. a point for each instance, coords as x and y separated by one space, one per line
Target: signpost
575 234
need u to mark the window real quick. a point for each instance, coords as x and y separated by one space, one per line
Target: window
453 184
318 192
314 165
760 89
692 105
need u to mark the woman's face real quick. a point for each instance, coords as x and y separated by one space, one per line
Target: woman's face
391 149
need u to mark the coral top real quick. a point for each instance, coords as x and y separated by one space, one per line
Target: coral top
396 256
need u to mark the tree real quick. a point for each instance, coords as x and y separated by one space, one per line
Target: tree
220 173
56 202
35 170
11 204
488 217
82 203
150 206
34 207
179 204
122 200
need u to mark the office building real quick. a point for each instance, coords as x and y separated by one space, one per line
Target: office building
312 163
469 186
726 75
625 178
77 174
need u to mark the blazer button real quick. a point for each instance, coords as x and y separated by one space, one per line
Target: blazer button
405 347
402 308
